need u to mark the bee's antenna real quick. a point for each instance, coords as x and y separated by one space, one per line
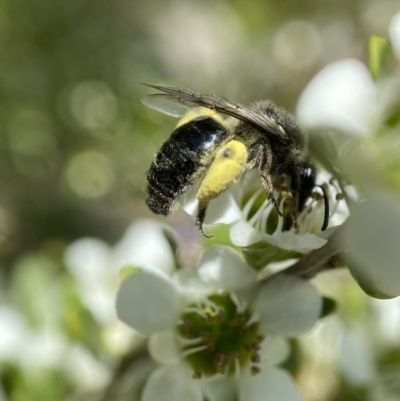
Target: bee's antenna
326 213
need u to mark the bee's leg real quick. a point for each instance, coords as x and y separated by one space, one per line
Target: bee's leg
263 163
201 215
269 189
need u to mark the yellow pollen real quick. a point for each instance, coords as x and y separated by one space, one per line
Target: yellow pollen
227 166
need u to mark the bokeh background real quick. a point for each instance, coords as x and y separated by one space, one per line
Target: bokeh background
75 145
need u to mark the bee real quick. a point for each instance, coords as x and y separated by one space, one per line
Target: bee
216 140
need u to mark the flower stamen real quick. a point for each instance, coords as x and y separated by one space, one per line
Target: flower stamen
255 219
223 335
191 351
189 341
241 306
279 226
250 203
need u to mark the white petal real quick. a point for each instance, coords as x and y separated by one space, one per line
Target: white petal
222 267
148 301
144 244
388 318
289 240
172 383
223 209
219 388
274 350
372 236
163 347
243 234
189 283
190 203
288 305
342 96
88 259
268 385
394 32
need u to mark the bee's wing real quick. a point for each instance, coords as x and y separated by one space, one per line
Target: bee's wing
166 104
188 98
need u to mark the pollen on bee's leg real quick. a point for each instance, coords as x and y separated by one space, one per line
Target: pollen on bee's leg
223 172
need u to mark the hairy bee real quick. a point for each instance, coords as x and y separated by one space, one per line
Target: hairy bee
216 140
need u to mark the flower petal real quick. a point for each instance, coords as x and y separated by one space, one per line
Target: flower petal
372 236
144 244
342 96
292 241
189 202
223 209
89 260
268 385
172 383
243 234
148 301
223 267
221 388
163 347
274 350
288 305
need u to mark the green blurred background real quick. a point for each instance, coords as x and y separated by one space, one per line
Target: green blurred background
75 141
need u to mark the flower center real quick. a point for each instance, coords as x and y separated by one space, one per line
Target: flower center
219 335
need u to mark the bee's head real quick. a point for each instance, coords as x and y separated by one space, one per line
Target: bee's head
308 175
307 178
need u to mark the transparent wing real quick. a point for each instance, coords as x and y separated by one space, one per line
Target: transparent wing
188 98
166 104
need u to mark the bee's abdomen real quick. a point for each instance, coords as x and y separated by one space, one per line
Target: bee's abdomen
182 159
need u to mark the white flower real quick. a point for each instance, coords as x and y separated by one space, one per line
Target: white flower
248 227
216 332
